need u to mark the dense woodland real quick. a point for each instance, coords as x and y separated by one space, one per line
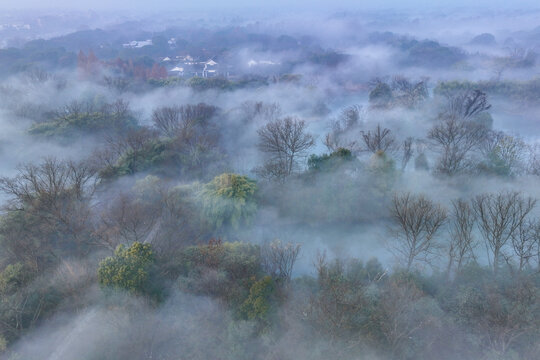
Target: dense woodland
311 213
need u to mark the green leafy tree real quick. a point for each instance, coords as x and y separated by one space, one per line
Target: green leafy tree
129 269
229 199
259 302
330 162
13 277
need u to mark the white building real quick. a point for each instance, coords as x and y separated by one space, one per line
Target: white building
177 71
210 69
137 44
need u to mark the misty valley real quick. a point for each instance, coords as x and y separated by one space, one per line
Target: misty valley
220 182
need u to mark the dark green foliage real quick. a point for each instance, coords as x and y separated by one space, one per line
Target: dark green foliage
157 155
73 124
330 162
168 82
328 58
425 53
166 157
432 54
32 55
77 119
484 39
223 84
201 84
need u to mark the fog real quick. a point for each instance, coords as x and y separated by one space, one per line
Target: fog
266 180
243 4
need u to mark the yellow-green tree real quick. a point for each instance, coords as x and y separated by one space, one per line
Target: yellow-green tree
259 302
229 199
129 268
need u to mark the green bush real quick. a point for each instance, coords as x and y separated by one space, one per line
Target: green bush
330 162
129 269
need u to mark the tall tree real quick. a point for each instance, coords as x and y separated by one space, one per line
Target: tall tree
417 221
499 217
283 142
461 245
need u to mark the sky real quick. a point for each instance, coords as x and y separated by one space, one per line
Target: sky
231 4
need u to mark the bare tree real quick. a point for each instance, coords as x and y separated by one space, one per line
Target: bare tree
506 319
400 316
284 141
127 220
278 259
119 84
380 140
342 129
131 140
524 241
417 221
499 217
260 111
407 93
37 75
420 161
54 196
454 140
407 152
49 182
537 245
516 57
533 159
172 120
506 150
339 297
461 246
167 119
466 105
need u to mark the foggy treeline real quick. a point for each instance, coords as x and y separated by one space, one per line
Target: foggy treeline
345 186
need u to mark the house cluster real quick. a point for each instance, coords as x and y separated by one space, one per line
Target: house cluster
187 66
15 27
136 44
